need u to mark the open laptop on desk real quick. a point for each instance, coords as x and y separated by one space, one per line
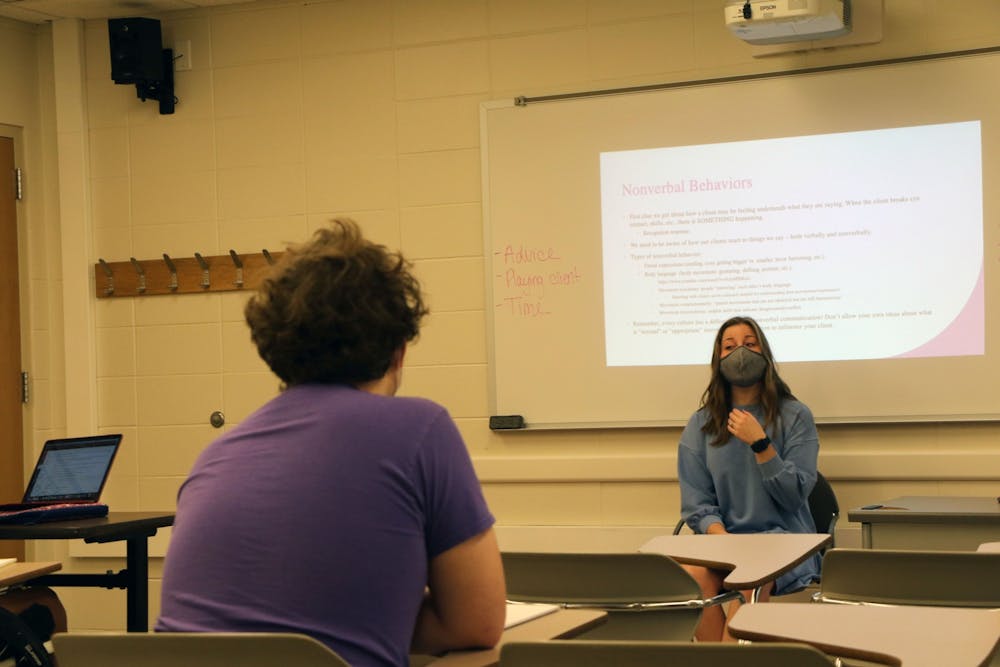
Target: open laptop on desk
67 481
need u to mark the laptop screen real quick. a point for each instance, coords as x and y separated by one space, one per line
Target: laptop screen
72 469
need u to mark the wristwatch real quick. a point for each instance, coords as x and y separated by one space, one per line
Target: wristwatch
760 445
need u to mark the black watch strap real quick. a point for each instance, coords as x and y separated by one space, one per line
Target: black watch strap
760 445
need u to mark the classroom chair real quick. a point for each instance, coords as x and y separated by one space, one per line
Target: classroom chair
573 653
934 578
825 511
897 577
194 649
646 596
823 506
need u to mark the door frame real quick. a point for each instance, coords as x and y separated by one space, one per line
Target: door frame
17 450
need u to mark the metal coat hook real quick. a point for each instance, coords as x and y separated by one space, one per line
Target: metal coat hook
109 289
141 287
239 268
173 272
267 256
205 282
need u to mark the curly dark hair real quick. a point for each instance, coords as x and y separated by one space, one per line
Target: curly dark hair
718 396
334 310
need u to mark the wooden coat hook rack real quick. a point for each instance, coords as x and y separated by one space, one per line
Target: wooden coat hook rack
182 275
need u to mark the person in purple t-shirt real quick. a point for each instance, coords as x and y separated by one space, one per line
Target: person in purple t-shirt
338 510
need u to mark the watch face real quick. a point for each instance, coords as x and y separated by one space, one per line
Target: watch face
760 445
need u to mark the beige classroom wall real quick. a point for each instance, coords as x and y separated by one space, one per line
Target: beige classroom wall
290 113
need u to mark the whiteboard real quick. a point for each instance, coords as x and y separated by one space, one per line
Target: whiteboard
543 243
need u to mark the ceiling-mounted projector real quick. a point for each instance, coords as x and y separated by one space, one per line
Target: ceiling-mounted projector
778 21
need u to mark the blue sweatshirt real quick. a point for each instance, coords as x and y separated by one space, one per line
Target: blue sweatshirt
725 484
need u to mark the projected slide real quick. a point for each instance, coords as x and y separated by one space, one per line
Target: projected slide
860 245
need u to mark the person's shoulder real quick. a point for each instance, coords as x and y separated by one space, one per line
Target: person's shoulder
418 405
699 417
792 407
693 434
420 416
426 425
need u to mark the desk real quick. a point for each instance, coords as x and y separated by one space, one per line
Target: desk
560 624
135 528
18 573
929 523
753 559
908 636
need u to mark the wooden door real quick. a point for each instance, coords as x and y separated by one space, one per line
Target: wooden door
11 434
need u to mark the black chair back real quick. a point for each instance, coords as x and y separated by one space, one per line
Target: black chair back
824 507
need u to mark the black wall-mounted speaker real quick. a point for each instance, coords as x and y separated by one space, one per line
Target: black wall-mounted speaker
136 50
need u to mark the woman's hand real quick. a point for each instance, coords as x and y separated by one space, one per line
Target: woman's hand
716 529
744 426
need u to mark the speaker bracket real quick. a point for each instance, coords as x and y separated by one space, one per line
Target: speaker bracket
161 91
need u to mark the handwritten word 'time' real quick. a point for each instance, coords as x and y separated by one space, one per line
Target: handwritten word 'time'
522 307
522 254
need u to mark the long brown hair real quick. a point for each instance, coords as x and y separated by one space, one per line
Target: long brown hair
718 396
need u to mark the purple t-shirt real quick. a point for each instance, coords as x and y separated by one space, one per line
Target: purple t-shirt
319 514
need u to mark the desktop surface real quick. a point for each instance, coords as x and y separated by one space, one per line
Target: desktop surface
930 509
752 559
20 572
908 635
114 526
560 624
950 523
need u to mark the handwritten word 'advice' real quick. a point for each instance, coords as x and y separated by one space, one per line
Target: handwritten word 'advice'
522 254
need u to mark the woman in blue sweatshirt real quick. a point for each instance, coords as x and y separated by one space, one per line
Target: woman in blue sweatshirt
747 459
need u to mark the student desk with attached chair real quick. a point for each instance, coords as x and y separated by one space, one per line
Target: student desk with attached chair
910 636
752 560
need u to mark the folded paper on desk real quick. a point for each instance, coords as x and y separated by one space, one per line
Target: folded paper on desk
521 612
4 562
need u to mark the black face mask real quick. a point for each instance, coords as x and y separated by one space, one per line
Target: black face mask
743 367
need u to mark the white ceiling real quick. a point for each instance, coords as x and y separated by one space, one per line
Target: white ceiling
40 11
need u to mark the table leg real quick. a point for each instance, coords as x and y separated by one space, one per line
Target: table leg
866 535
137 593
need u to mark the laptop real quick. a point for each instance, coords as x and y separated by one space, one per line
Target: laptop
67 481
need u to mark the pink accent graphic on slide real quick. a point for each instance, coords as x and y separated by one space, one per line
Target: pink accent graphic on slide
964 336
